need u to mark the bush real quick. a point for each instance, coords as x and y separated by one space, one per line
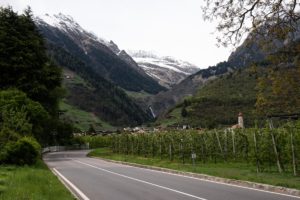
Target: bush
7 135
23 115
25 151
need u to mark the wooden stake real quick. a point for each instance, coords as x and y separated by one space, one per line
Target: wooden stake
220 146
293 154
274 146
256 153
233 143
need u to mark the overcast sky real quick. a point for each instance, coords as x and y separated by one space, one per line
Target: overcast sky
167 27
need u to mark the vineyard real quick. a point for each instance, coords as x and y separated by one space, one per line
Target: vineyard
270 150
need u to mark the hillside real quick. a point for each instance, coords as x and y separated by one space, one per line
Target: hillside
275 82
88 91
103 57
254 49
218 102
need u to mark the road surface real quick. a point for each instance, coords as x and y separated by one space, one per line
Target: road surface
96 179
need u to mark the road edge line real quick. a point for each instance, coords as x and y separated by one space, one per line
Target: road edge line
77 193
141 181
225 181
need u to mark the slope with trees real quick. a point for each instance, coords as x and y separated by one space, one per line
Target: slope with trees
30 89
97 95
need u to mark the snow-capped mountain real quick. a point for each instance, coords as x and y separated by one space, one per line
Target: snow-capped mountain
67 24
166 70
62 31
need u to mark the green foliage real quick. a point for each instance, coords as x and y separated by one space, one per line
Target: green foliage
184 112
211 146
34 182
22 115
82 119
97 141
24 63
25 151
7 135
219 101
16 121
65 132
29 90
91 129
98 96
278 89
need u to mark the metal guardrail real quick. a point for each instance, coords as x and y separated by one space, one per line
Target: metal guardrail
65 148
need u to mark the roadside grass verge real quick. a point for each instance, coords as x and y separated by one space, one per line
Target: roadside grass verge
237 171
31 183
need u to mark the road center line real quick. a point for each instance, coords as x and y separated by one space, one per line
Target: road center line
138 180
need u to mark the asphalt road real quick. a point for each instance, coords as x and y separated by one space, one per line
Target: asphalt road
101 180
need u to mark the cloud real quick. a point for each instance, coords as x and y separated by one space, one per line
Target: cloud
18 5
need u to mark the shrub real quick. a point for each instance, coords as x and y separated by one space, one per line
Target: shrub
25 151
7 135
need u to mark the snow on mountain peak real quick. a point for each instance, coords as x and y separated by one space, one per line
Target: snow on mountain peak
164 61
166 69
67 24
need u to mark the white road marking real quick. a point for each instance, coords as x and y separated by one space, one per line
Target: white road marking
138 180
201 179
81 194
228 184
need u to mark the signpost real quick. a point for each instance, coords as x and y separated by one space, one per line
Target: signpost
194 156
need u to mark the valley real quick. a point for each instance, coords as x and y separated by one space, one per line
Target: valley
163 83
132 101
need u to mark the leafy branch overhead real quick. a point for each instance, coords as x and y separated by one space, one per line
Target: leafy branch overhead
238 17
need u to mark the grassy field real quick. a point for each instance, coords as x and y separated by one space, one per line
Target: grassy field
74 79
137 95
238 171
174 117
31 183
82 119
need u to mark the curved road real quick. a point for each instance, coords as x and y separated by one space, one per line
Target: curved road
96 179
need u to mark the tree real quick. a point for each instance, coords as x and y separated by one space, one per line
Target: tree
278 89
275 18
22 115
24 63
184 112
91 129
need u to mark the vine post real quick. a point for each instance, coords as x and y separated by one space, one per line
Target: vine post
182 150
233 143
219 143
293 151
274 146
256 152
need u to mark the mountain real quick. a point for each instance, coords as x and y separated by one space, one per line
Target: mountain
259 71
104 57
272 82
166 70
246 54
218 102
94 75
89 91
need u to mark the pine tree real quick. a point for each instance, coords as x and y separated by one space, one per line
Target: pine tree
23 60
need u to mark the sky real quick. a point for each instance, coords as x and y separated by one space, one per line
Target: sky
165 27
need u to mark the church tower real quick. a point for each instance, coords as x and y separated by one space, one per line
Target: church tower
240 120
